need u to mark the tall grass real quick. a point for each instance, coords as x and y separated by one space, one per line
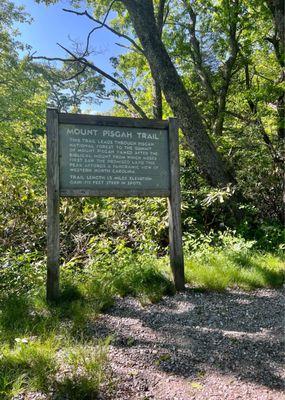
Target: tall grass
229 269
49 349
53 365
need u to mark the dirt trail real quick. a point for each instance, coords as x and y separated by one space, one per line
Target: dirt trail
197 346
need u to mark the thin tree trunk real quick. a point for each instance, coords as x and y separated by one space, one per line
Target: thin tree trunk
157 92
157 96
277 8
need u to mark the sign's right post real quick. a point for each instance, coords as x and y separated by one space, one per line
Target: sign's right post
174 209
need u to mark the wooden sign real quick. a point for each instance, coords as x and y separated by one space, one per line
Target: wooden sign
96 160
113 157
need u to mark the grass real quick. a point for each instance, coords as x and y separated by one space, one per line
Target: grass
27 363
52 366
123 275
221 269
50 349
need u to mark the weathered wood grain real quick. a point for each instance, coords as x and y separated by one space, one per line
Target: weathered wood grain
52 284
114 193
174 209
86 119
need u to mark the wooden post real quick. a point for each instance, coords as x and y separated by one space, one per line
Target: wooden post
52 285
174 205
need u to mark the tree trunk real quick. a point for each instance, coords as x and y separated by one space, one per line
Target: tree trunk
157 92
143 19
157 97
277 8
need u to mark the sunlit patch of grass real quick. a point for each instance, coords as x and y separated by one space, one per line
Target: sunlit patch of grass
56 365
46 347
139 276
23 315
221 269
86 371
34 334
28 363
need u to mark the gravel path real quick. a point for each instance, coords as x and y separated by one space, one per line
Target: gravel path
197 346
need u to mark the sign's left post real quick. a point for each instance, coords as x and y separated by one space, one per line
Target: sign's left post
53 199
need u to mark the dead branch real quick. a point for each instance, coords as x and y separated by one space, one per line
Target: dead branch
86 63
103 24
77 74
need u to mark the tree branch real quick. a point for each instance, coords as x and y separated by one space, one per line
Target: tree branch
128 48
160 16
195 52
52 58
124 105
228 68
77 74
95 28
257 120
103 24
86 63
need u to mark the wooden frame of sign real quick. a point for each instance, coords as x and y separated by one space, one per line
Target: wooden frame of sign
112 157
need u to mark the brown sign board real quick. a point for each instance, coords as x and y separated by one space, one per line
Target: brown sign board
114 157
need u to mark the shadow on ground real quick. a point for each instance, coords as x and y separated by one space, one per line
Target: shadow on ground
233 333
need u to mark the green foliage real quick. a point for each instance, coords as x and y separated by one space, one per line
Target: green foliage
29 363
129 274
21 273
53 366
232 263
20 87
47 349
22 183
143 222
70 86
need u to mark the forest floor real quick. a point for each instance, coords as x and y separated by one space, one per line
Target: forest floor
196 345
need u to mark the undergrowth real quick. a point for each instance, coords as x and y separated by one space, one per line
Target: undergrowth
232 263
49 349
228 269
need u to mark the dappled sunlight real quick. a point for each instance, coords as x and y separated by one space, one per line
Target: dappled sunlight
236 334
